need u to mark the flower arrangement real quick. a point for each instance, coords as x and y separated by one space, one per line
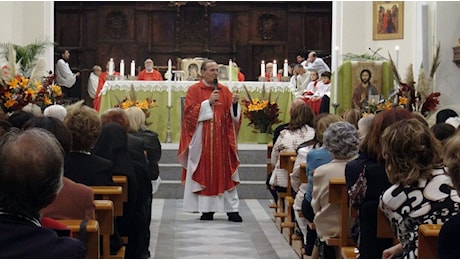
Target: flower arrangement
132 101
18 90
262 113
418 97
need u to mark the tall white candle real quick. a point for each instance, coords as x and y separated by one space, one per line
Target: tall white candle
275 69
169 65
230 67
285 69
397 56
111 66
122 68
262 69
133 68
336 80
169 95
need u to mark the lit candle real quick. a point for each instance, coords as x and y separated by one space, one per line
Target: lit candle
133 68
275 69
285 69
169 65
111 66
169 95
230 66
397 56
262 69
336 80
122 68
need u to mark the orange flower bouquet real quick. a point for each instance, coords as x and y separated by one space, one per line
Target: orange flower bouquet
132 101
262 113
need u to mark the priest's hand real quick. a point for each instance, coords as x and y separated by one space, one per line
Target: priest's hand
214 97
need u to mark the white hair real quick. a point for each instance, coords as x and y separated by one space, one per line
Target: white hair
56 111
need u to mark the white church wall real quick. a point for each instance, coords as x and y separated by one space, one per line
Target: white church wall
447 31
28 22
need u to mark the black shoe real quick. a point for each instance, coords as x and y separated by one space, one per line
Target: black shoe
234 216
207 216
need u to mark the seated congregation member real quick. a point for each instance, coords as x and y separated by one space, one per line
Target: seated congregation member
364 124
56 111
447 241
75 200
422 192
30 179
298 187
371 158
152 148
19 117
81 165
33 108
127 154
341 140
100 86
443 131
444 114
298 131
352 116
149 73
323 88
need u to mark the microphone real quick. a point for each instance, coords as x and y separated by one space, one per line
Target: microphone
215 84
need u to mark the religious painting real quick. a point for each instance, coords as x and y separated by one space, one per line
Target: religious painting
191 68
366 83
388 20
224 73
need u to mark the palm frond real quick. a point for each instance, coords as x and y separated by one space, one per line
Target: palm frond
394 69
247 93
409 80
436 61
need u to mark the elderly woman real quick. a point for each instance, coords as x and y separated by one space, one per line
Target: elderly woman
341 139
422 192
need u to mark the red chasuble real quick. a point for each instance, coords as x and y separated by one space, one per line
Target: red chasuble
154 75
218 160
100 85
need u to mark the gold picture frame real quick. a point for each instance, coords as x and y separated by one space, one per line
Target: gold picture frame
388 20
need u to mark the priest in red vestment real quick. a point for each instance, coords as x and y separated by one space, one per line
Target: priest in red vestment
149 73
100 85
208 149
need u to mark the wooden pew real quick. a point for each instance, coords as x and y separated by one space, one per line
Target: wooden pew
285 198
270 169
428 241
338 195
121 180
384 229
113 193
92 235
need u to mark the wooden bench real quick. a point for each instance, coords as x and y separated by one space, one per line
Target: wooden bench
285 200
113 193
428 241
121 180
270 168
105 217
338 195
92 235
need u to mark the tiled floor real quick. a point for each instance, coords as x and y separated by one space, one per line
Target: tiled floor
177 234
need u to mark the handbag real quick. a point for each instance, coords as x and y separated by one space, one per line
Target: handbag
357 191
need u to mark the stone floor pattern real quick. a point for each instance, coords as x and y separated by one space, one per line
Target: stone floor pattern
177 234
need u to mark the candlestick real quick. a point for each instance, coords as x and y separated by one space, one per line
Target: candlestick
133 68
169 95
262 69
336 80
111 66
285 68
275 69
122 68
230 67
169 65
397 56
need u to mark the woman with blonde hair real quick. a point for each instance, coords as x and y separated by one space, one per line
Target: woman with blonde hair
422 192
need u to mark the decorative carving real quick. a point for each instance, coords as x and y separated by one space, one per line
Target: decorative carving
116 24
268 24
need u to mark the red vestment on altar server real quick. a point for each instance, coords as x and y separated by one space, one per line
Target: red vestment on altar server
218 160
154 75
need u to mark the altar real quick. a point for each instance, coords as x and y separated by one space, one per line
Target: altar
115 91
